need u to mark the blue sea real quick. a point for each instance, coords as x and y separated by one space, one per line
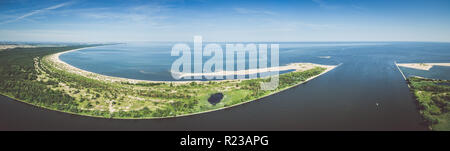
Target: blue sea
152 60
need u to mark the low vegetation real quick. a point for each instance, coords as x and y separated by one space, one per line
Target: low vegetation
28 76
433 98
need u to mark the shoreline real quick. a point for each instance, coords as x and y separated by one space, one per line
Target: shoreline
420 100
404 77
54 58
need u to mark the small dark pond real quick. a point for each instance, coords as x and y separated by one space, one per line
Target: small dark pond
215 98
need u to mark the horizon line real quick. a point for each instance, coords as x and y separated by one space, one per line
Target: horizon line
398 41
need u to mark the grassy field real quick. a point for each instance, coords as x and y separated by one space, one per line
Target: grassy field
27 75
433 98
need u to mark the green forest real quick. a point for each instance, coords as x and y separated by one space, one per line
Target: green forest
18 78
433 97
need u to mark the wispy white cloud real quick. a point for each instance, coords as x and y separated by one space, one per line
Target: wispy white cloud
37 12
138 14
292 26
325 5
247 11
359 7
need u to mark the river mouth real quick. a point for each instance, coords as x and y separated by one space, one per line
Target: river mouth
215 98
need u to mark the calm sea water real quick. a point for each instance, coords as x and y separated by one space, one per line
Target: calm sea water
343 99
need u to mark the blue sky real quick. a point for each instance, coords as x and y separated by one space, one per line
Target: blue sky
217 20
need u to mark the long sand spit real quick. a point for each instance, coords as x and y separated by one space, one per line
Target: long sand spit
422 66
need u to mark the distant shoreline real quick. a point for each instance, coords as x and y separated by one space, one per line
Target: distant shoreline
11 46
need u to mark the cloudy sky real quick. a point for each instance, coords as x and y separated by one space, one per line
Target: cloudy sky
217 20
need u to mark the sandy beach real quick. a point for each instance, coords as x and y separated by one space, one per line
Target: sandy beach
422 66
293 66
4 47
325 57
58 63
